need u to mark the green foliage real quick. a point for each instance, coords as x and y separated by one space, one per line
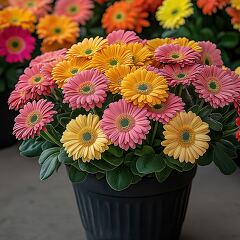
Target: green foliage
31 148
164 174
76 175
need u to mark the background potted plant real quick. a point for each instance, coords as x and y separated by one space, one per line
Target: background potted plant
131 119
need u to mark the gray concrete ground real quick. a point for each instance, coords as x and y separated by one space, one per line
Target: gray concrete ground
34 210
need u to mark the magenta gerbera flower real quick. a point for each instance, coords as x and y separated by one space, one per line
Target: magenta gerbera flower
33 118
176 54
210 55
88 89
79 10
121 36
34 81
216 86
16 44
125 124
166 111
49 57
175 74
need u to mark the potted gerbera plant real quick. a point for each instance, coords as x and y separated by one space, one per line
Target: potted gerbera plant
131 120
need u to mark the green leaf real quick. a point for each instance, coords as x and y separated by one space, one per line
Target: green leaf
216 116
194 109
115 151
207 158
47 145
103 165
223 160
2 86
64 121
229 39
120 178
130 157
214 125
173 163
150 163
134 169
144 151
88 167
205 112
49 162
75 175
53 132
229 148
64 158
136 179
115 161
31 148
164 174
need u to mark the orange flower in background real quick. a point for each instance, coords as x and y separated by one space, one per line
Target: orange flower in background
145 5
234 14
101 1
17 17
3 3
211 6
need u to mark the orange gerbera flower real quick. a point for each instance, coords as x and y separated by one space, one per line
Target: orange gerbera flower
234 14
211 6
140 20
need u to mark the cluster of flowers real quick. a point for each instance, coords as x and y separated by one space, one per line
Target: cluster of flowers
122 85
58 29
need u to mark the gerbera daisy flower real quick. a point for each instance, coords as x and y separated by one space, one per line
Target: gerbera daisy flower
186 137
34 82
176 54
171 14
67 69
37 7
166 111
3 4
88 89
175 74
57 30
154 69
87 48
210 55
210 7
46 46
141 54
18 98
78 10
152 5
116 75
238 135
153 44
215 86
48 57
119 16
84 139
16 44
125 124
144 87
237 70
33 118
121 36
112 56
184 42
17 17
234 14
140 20
235 4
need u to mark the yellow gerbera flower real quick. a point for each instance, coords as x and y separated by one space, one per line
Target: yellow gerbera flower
172 13
186 137
235 4
237 70
153 44
141 54
87 48
57 29
13 16
184 42
144 87
112 56
84 139
67 69
116 75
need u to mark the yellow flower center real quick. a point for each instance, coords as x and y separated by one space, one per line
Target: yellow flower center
213 85
87 137
125 123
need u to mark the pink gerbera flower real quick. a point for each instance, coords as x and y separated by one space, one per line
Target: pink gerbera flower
18 98
34 81
175 74
79 10
16 44
154 69
48 57
174 53
33 118
166 111
125 124
210 55
88 89
121 36
216 86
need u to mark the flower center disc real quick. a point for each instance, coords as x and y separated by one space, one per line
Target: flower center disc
125 123
15 45
181 75
213 86
86 89
88 51
175 56
74 71
57 30
119 17
158 108
174 12
113 62
87 137
73 9
143 88
33 119
186 137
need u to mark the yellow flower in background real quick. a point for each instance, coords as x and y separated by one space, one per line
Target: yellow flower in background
67 69
237 70
112 56
116 75
84 139
144 87
13 16
172 13
87 48
141 54
235 4
186 137
188 43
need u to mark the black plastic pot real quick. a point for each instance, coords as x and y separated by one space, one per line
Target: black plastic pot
146 211
6 121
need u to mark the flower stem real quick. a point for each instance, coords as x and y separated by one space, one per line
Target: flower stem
154 133
47 136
